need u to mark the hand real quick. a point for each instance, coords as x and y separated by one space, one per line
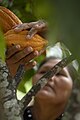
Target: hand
15 57
35 27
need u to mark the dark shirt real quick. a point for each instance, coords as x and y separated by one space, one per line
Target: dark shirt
28 115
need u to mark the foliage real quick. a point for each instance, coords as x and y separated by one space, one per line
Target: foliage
6 3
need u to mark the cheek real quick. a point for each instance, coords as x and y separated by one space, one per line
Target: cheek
63 89
35 78
63 83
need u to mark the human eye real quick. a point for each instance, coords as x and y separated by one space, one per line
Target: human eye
58 74
43 72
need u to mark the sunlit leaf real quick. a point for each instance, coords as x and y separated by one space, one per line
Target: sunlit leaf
26 80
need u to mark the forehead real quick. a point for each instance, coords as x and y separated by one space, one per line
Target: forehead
50 63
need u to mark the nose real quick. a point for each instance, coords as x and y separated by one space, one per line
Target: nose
52 78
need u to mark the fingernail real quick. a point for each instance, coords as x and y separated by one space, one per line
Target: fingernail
34 63
28 37
18 46
30 49
16 28
36 53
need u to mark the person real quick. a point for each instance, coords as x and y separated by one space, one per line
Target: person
49 102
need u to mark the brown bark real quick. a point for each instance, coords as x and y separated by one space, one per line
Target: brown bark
10 107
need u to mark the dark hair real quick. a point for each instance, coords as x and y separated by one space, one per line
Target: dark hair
72 71
46 60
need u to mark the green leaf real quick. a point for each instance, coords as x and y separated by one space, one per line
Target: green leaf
26 80
2 46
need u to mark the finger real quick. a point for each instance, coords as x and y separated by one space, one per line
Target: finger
12 50
20 55
30 65
37 27
42 51
24 26
31 33
40 25
20 27
15 26
29 57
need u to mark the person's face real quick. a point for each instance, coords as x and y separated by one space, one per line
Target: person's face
58 88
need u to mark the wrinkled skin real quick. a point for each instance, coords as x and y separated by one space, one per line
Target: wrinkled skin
50 102
15 57
34 27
